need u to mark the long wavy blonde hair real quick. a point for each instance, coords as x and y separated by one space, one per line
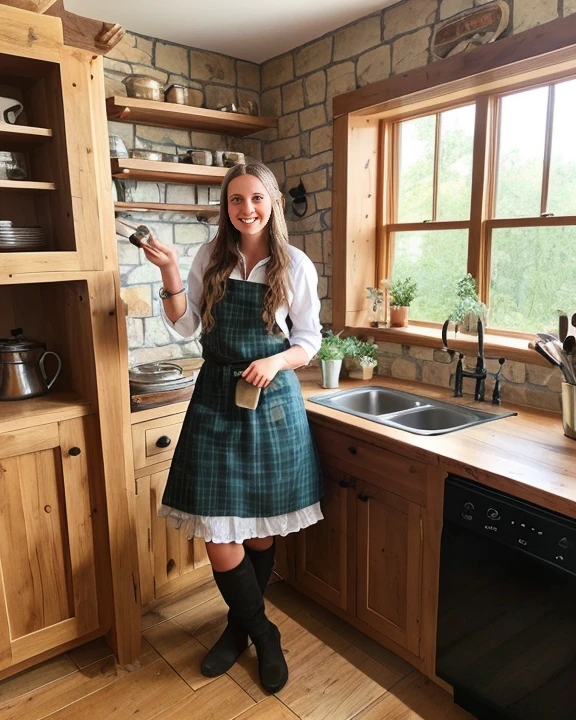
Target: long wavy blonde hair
226 255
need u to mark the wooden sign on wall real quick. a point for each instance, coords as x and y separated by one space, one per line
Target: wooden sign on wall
471 28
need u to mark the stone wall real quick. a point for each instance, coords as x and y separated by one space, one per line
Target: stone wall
299 86
222 80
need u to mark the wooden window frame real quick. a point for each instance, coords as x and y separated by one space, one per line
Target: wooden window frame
364 170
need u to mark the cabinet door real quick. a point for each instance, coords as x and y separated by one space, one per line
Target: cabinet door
173 555
323 562
48 592
389 564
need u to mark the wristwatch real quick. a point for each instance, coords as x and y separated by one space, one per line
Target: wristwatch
164 294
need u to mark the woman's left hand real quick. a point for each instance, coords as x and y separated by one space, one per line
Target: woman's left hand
261 372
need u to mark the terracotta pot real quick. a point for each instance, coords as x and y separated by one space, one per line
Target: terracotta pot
399 316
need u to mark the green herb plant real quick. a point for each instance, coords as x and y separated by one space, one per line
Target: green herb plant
365 352
468 302
332 347
403 292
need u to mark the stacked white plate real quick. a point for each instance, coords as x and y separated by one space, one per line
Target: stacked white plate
21 239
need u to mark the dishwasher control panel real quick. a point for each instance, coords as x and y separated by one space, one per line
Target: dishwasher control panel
542 533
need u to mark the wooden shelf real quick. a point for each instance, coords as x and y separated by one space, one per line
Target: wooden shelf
130 169
52 407
204 210
26 185
151 112
23 134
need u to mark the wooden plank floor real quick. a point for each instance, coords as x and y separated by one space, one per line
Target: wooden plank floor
336 673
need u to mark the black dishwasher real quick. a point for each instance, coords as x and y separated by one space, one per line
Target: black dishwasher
507 606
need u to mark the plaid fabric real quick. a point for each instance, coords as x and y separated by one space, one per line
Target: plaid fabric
234 461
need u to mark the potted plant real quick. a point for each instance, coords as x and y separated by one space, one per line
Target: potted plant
331 354
469 308
360 358
402 293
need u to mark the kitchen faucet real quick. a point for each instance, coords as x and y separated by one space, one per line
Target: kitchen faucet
479 373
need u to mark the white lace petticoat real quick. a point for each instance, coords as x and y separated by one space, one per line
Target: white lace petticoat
238 529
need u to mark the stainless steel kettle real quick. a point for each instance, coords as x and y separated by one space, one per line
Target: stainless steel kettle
22 373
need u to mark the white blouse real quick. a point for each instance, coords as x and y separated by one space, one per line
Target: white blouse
303 303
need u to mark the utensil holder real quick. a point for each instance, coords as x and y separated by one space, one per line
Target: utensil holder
569 410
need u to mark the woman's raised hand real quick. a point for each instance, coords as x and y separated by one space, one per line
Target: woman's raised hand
159 254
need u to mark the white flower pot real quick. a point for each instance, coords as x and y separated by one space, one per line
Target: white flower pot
330 373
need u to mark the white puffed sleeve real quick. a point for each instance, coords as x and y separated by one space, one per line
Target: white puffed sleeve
189 325
304 307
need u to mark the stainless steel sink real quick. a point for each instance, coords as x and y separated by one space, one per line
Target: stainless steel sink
406 411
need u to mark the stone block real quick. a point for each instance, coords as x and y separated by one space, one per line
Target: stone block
123 130
313 245
421 353
129 51
160 75
116 66
390 348
208 141
405 369
191 233
297 241
138 300
408 16
555 382
154 354
530 13
373 65
322 287
410 51
135 332
313 56
181 194
278 171
313 117
162 136
436 374
309 223
271 103
144 44
321 140
277 71
537 375
217 95
155 332
441 357
147 192
248 75
312 181
304 165
282 149
341 79
173 58
288 125
324 200
569 7
292 97
354 39
212 67
315 88
141 274
543 400
245 95
327 245
326 311
448 8
514 372
113 85
128 255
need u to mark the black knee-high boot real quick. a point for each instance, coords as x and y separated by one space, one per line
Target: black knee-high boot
240 590
234 640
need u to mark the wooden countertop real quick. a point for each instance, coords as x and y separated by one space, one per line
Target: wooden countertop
526 455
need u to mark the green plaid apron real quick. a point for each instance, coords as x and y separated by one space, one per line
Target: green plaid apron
231 461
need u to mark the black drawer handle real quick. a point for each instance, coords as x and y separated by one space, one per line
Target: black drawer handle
352 450
363 497
74 451
163 441
343 483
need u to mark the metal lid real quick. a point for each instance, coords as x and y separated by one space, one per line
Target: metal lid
155 372
18 343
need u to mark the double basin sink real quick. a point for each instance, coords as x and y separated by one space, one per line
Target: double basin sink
405 411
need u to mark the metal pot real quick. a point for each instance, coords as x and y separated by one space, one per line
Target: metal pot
22 373
144 87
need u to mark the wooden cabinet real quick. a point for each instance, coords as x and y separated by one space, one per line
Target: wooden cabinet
49 523
365 558
167 559
68 549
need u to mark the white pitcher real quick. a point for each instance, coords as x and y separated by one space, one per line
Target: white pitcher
9 110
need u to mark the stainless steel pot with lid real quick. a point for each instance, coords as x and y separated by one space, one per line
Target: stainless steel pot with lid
22 371
157 376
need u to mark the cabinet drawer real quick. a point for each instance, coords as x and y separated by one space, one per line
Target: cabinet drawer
397 474
154 441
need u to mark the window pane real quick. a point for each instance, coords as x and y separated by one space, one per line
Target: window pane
532 276
455 163
416 169
436 259
562 190
521 154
